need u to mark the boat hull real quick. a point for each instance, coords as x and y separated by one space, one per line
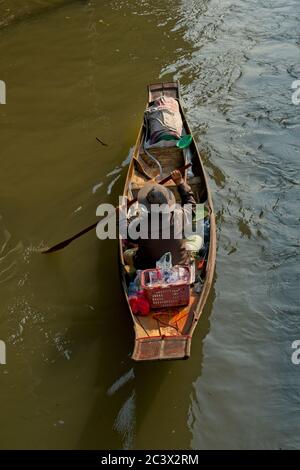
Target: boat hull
161 335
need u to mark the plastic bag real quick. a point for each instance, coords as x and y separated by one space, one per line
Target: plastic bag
165 262
135 285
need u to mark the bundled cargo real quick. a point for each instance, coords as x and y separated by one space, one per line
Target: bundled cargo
163 120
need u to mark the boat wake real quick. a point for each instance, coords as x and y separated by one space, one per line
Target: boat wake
125 421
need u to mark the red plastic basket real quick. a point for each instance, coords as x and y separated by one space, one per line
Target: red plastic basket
170 295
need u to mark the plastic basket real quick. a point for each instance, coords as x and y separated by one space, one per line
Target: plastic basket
170 295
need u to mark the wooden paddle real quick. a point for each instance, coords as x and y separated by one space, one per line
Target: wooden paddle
67 242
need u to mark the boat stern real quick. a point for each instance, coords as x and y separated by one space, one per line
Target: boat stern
154 348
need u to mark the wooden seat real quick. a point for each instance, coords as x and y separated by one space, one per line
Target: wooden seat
168 157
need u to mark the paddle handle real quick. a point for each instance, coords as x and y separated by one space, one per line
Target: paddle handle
181 169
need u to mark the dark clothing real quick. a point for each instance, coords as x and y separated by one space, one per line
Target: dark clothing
151 250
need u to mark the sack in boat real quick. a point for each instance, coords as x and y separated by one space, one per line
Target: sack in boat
163 120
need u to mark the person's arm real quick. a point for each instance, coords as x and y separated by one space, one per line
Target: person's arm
184 190
187 197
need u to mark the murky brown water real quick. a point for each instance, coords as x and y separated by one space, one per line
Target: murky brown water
77 70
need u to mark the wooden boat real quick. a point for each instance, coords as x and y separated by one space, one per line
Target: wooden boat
167 334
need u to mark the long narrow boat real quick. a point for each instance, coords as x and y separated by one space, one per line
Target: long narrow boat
167 334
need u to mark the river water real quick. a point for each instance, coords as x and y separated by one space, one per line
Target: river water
77 70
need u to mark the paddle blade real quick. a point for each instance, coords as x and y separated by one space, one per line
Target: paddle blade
57 247
67 242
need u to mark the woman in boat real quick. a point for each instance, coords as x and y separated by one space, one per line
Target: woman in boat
150 249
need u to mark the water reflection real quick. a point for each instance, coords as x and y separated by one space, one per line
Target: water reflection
134 396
